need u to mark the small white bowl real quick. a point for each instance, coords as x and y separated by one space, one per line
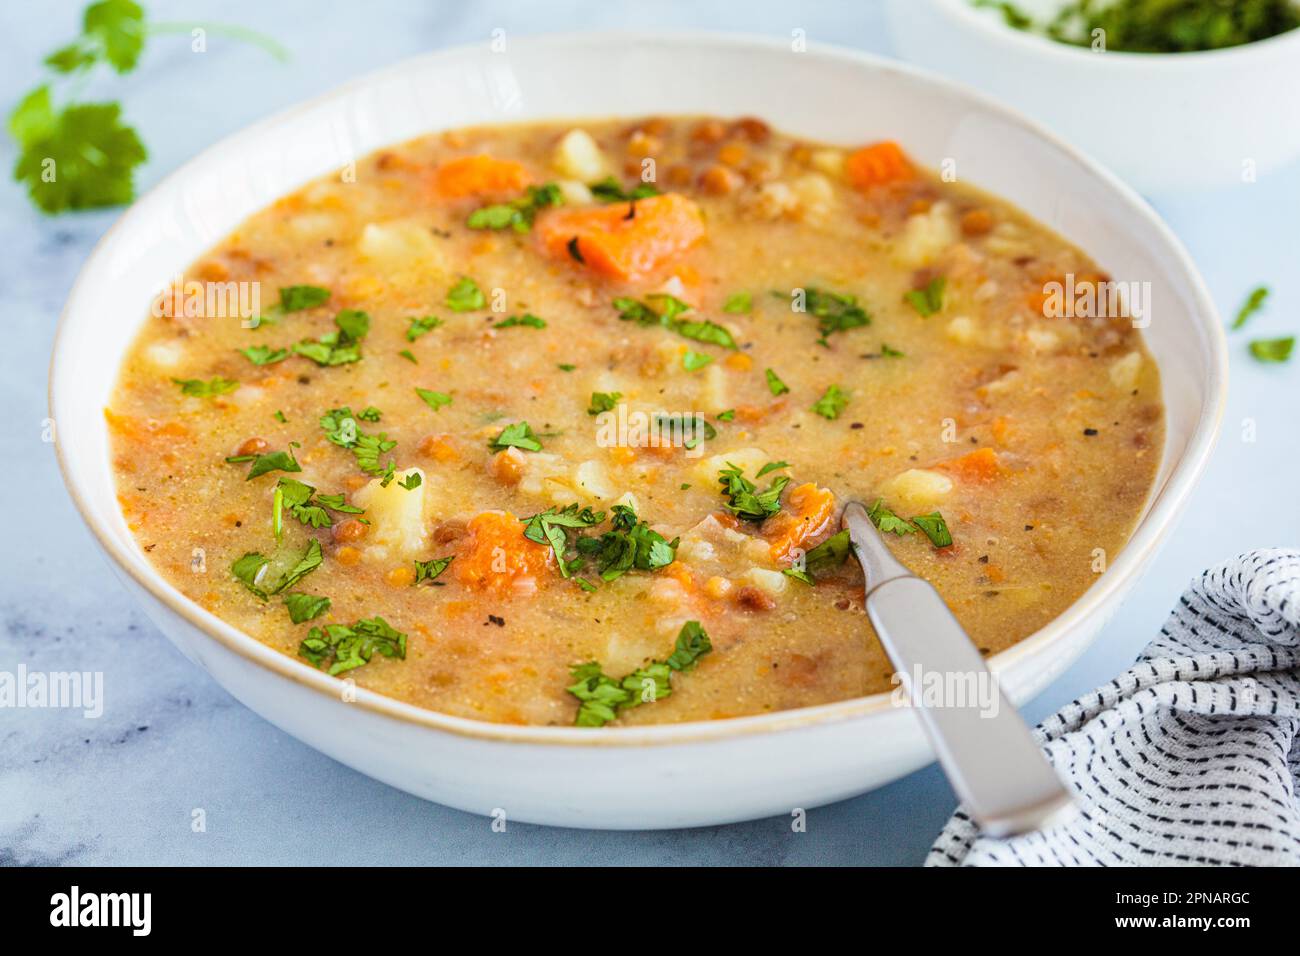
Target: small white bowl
666 776
1163 121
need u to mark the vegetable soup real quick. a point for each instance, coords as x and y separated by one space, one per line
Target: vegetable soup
553 424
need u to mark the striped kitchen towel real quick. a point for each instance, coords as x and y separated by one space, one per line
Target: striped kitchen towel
1191 756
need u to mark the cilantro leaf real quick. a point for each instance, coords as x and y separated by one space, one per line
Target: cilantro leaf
744 499
434 400
738 303
518 435
81 157
887 521
428 570
928 300
610 189
527 319
601 698
603 402
774 383
198 388
1273 350
271 461
421 325
832 402
264 355
305 607
935 528
518 214
465 296
694 361
835 312
1254 302
343 345
346 648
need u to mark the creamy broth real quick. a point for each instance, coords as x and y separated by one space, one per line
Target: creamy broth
873 332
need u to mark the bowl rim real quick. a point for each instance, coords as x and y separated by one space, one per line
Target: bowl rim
1155 523
989 21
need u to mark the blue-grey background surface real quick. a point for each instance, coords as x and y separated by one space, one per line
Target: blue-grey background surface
121 789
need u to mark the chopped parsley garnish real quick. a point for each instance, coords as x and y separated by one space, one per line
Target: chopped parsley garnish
835 312
932 525
305 607
610 189
411 481
302 502
428 570
832 402
663 310
738 303
251 568
774 383
1273 350
935 528
527 319
928 300
690 429
293 298
340 347
434 400
518 214
465 296
421 325
602 698
887 352
271 461
831 553
340 426
887 521
345 648
603 402
772 466
549 526
744 500
566 367
630 544
726 416
1254 302
264 354
409 356
518 435
694 361
201 389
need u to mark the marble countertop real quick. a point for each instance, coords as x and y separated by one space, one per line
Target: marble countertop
123 788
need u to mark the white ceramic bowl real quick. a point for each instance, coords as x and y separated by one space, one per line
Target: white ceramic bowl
1162 121
669 776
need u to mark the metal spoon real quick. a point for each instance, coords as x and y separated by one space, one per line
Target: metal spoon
984 747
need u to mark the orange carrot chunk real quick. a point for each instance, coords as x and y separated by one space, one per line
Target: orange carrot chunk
495 554
624 240
806 519
878 165
982 465
480 176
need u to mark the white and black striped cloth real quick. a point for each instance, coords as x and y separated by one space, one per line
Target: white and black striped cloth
1190 757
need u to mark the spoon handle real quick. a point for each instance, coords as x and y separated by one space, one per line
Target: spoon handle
991 759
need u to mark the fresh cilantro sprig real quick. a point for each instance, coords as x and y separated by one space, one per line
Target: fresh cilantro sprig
834 311
665 310
340 426
518 214
77 155
932 525
346 648
603 698
744 500
251 569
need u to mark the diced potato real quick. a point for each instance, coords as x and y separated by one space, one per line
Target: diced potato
774 200
925 236
916 490
398 244
828 161
396 515
1042 340
962 330
591 481
748 460
714 395
815 195
577 156
165 355
574 192
313 225
539 469
1124 372
769 582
